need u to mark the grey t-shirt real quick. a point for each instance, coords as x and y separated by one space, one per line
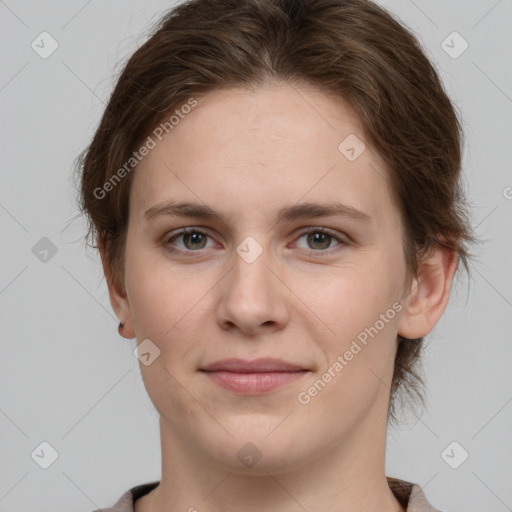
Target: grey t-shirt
408 494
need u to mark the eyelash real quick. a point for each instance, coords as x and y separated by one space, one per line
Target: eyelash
342 241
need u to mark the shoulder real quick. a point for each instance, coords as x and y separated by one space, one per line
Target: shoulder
410 495
127 499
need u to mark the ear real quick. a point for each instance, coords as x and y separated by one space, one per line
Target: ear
118 297
429 292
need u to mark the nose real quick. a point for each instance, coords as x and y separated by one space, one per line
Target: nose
253 299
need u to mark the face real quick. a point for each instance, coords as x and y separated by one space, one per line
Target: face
266 276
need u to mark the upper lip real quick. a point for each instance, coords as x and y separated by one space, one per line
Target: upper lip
261 365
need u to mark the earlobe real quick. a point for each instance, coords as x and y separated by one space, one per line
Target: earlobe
429 292
118 297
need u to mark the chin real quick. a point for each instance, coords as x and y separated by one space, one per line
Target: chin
256 449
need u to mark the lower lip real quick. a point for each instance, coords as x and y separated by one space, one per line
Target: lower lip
253 383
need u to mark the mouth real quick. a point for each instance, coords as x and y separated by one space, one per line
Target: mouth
253 377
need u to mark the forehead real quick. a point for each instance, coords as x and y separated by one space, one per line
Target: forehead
242 150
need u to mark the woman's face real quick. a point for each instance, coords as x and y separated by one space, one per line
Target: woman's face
251 283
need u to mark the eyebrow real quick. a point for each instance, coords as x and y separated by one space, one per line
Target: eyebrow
288 213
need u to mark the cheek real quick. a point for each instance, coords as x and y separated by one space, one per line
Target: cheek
166 304
352 300
361 310
153 302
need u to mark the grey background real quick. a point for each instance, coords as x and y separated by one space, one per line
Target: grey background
67 378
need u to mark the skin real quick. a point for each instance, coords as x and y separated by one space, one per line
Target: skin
246 154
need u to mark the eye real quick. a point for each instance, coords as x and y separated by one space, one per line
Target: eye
319 239
193 239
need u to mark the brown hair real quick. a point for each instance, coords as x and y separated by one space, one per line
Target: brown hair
351 48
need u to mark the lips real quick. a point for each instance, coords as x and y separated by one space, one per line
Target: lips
263 365
253 377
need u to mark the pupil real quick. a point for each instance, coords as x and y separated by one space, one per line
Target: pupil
319 237
195 237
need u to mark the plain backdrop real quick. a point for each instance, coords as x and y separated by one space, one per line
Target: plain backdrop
68 379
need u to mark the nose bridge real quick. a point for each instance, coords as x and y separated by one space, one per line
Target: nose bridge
251 268
252 296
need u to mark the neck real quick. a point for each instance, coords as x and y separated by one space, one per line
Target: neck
348 477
